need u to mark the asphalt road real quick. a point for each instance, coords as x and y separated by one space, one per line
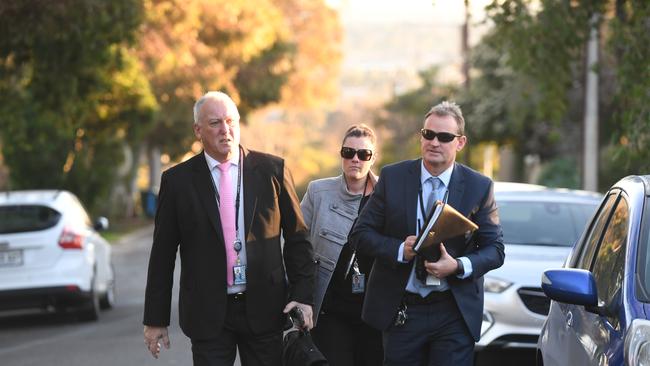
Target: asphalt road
116 339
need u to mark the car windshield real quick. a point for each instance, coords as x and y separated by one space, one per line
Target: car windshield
22 218
543 223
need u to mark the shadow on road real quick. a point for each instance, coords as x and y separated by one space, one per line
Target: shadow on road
511 357
38 320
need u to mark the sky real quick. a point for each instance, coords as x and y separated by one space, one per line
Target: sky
397 38
387 11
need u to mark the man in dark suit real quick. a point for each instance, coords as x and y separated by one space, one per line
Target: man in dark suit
225 209
442 303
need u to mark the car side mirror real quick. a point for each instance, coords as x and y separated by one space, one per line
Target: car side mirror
101 223
575 286
571 286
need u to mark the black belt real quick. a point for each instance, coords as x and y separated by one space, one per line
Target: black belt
240 296
435 296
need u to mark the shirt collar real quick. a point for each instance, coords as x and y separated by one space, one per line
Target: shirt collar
212 163
445 176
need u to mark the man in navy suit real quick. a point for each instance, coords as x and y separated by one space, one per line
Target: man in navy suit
432 315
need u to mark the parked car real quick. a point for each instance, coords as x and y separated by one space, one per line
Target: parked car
540 225
601 298
51 255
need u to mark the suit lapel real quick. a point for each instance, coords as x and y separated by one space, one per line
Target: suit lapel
250 191
456 188
411 189
202 181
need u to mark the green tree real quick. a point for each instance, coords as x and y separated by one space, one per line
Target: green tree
501 105
58 67
402 117
529 89
630 37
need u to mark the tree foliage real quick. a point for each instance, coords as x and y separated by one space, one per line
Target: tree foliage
546 45
316 32
69 88
501 107
530 86
82 81
629 42
260 52
296 127
402 117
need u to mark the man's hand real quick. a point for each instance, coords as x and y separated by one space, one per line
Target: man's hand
306 313
152 338
444 267
408 252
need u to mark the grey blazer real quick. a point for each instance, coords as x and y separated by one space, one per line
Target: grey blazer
329 210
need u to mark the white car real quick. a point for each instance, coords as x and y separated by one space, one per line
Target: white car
51 256
540 226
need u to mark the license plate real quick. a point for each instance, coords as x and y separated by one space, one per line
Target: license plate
11 258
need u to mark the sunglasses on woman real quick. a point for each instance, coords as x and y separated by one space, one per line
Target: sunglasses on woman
443 137
363 154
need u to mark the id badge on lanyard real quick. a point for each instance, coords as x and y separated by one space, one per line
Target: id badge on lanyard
358 278
239 270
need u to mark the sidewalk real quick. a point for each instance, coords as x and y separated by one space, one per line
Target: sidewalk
135 239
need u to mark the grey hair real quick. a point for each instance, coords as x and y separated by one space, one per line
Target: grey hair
214 95
446 108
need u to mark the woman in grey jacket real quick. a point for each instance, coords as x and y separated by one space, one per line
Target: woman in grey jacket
330 207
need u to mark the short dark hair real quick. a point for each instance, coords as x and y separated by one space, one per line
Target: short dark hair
446 108
360 130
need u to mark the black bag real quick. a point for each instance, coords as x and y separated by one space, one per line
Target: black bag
299 350
298 347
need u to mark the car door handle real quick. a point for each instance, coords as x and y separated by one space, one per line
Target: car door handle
569 319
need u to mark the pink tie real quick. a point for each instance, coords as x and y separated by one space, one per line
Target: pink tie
227 214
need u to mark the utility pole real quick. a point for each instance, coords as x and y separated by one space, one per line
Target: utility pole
465 54
590 153
465 45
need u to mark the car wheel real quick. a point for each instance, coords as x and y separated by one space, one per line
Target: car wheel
107 300
89 311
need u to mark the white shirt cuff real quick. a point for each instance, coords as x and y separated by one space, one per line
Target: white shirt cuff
467 267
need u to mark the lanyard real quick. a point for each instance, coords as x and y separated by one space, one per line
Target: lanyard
353 264
216 195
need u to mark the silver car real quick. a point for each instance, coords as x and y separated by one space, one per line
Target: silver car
540 225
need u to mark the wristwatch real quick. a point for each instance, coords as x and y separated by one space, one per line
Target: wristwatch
460 270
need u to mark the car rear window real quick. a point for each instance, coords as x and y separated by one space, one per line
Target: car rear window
543 223
23 218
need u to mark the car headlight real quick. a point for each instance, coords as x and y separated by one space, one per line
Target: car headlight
637 343
495 285
487 322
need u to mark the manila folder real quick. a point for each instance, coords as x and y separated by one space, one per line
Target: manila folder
444 223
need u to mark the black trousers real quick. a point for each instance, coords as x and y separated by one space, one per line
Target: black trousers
347 343
435 334
254 349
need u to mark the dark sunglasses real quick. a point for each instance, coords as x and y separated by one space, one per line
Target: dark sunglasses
443 137
363 154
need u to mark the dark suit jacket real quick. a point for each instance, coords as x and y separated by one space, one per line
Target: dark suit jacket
390 216
188 218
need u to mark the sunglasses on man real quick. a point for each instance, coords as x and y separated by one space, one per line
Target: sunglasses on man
443 137
363 154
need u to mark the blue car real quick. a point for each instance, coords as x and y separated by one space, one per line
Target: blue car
601 298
